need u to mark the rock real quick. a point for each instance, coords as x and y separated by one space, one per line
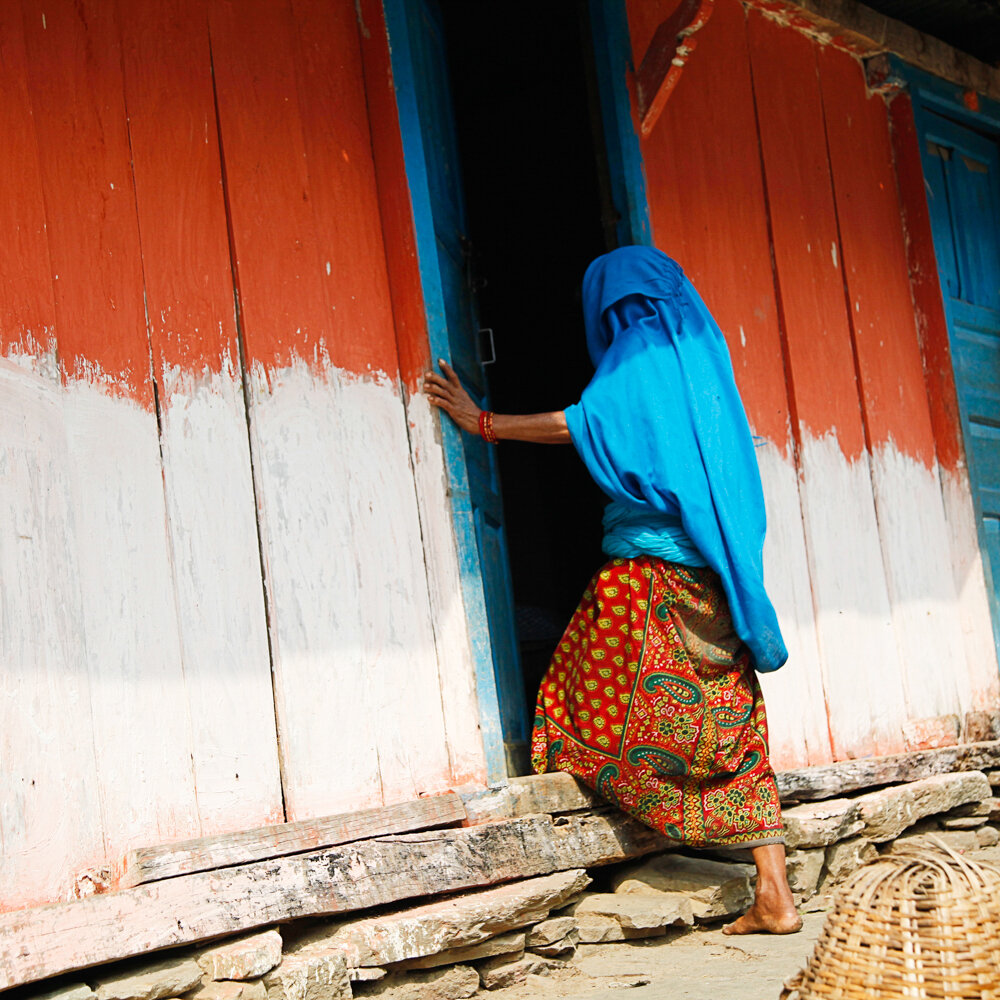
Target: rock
886 813
714 888
463 920
994 805
75 991
804 868
846 857
564 948
637 914
497 973
502 944
550 931
231 990
153 981
986 836
453 982
819 824
958 840
963 822
595 929
369 974
309 975
247 958
993 777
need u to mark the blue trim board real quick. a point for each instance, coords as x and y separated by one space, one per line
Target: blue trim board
931 93
463 518
613 58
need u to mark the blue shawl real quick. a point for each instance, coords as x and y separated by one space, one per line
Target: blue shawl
662 430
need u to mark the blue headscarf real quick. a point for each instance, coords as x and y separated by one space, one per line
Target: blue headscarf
662 430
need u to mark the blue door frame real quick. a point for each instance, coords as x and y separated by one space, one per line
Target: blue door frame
484 575
949 132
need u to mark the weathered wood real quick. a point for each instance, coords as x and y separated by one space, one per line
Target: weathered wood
664 60
42 942
556 792
832 780
150 864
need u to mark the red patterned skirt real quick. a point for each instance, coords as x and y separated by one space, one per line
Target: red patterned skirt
651 700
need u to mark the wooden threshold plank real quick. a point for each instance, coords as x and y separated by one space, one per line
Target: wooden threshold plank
150 864
45 941
831 780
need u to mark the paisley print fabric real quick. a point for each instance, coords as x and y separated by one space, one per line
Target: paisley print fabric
651 699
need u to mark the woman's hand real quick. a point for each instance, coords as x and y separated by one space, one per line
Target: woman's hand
447 394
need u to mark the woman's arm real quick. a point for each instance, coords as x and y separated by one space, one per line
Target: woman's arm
447 394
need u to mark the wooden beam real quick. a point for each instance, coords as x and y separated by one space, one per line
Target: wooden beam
664 60
150 864
42 942
832 780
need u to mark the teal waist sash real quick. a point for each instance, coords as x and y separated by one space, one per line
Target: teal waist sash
631 531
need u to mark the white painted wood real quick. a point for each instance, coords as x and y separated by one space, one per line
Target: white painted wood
981 690
451 628
796 708
139 700
223 632
862 674
921 589
50 822
357 688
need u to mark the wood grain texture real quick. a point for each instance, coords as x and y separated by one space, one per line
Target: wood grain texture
893 392
451 628
150 864
129 613
38 943
932 326
846 776
850 596
207 476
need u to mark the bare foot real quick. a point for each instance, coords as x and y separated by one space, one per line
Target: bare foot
773 910
763 920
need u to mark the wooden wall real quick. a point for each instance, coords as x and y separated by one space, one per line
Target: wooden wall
771 177
217 608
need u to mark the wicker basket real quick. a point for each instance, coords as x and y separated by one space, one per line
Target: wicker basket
922 922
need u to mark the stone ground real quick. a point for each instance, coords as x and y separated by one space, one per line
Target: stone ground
703 964
700 965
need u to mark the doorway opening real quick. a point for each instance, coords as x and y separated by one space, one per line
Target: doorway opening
539 210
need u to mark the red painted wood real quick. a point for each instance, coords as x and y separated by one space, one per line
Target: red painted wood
668 52
925 286
75 82
708 208
178 181
304 210
894 396
343 191
27 310
280 274
804 228
394 198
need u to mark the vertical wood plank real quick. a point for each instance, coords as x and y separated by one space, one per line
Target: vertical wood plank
206 456
708 210
451 629
853 613
932 326
893 393
129 619
50 823
348 586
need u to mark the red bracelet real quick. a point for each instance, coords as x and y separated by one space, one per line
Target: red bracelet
486 426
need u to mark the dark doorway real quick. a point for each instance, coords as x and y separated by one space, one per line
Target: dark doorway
532 166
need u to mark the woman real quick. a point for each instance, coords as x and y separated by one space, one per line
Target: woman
651 696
